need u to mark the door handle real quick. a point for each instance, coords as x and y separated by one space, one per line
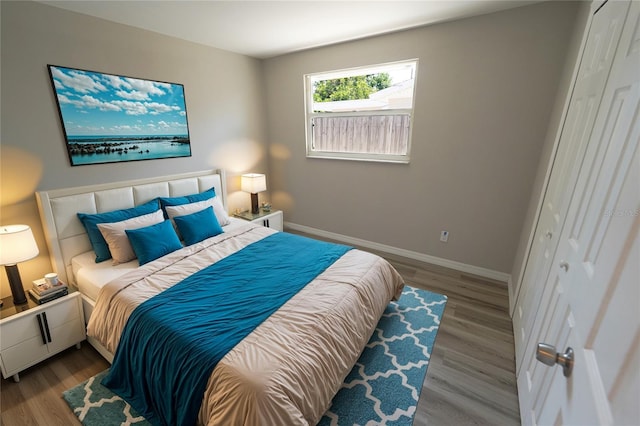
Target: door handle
46 326
41 325
547 355
549 235
564 266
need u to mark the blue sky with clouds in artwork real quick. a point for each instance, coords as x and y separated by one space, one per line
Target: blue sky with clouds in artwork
97 104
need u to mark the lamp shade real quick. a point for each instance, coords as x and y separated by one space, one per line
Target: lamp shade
253 183
17 244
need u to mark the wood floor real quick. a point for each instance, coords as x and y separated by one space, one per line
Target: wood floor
471 377
470 380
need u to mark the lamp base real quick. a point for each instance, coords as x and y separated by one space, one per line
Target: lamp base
254 203
17 291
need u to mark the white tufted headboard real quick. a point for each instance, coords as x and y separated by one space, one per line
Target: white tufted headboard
65 234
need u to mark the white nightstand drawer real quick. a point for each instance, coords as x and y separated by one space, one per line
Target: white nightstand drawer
273 220
20 330
24 355
66 335
32 333
23 327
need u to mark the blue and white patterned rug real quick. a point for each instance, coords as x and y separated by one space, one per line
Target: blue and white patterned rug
382 389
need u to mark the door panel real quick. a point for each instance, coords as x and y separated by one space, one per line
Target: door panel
597 59
592 296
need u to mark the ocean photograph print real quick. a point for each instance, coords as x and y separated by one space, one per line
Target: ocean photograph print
108 118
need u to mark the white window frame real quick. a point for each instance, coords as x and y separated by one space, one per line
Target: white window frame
310 115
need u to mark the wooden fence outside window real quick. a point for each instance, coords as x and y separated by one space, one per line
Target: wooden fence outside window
374 134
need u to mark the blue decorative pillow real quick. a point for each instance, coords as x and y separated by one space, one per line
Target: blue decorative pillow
91 221
186 199
153 241
198 226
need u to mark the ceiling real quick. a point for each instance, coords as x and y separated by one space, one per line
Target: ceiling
264 29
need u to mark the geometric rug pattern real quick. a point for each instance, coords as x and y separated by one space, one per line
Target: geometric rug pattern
94 405
383 387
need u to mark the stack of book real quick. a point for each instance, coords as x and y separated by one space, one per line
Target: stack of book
43 292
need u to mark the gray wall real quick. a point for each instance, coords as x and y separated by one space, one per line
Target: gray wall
485 90
485 93
223 92
553 133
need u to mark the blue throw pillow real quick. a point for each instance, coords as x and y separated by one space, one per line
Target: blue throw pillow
198 226
186 199
153 241
91 221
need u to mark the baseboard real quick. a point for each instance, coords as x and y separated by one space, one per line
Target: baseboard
512 300
459 266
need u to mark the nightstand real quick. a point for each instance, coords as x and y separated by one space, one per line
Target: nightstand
271 219
31 333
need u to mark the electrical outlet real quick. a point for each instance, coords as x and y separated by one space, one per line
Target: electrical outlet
444 236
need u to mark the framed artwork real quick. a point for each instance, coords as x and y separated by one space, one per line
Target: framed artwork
108 118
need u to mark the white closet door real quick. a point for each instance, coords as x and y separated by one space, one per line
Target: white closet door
593 303
593 72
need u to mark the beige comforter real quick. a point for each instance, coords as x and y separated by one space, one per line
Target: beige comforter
289 368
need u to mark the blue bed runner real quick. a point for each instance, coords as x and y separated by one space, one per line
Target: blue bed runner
172 342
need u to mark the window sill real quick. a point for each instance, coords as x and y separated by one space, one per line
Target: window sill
355 157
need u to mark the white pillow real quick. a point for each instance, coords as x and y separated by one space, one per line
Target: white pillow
116 238
185 209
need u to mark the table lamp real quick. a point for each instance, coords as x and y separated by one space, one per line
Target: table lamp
253 183
16 245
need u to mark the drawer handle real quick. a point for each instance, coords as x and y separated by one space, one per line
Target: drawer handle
46 326
44 339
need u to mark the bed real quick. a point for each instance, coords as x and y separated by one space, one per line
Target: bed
284 370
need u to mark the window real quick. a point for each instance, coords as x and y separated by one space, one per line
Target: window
361 113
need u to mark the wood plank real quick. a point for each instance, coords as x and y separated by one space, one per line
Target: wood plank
37 398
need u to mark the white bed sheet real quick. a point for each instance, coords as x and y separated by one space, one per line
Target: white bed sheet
91 276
